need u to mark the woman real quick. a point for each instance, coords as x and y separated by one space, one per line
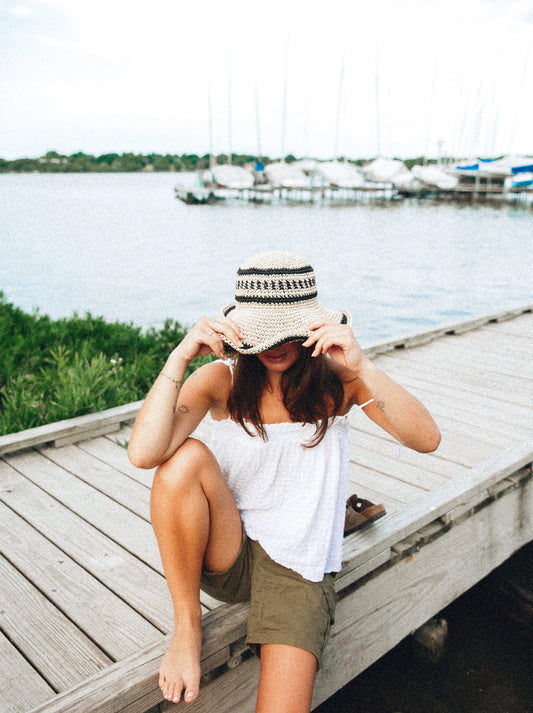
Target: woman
260 514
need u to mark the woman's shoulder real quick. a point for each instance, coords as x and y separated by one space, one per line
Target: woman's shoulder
213 379
213 372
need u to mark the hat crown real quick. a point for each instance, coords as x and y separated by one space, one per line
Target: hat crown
275 278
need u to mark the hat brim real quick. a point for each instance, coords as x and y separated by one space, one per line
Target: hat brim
261 332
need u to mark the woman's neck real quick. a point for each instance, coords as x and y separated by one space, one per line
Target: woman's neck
274 383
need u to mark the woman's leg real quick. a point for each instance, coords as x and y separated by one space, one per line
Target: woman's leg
286 679
195 520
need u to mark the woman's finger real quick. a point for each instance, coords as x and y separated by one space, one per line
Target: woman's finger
227 328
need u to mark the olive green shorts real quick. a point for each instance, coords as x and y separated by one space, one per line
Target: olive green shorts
285 608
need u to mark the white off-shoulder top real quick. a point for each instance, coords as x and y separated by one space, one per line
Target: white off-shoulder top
291 499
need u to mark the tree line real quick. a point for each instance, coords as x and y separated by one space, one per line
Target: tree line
54 162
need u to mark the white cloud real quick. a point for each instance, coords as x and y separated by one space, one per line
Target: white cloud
139 63
21 11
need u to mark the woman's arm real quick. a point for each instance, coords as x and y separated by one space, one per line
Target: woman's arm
394 409
172 410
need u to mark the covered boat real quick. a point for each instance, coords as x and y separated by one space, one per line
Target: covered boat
435 177
384 170
234 177
286 175
340 174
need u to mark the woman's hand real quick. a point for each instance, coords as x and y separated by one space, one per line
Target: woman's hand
338 341
205 338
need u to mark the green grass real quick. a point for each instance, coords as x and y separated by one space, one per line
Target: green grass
56 369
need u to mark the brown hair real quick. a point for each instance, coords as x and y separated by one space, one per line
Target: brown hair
312 392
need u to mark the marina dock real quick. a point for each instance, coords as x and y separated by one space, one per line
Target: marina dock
85 616
267 194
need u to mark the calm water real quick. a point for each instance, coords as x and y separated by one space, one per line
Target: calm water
124 247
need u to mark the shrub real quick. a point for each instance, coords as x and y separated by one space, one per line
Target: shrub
56 369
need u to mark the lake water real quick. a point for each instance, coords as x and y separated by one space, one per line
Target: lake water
122 246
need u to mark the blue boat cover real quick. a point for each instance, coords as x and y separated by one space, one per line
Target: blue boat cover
522 169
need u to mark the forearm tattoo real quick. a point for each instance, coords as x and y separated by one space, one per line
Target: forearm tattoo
183 409
380 405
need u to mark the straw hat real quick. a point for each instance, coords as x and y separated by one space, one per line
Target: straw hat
275 301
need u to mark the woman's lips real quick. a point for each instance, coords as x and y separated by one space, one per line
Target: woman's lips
276 357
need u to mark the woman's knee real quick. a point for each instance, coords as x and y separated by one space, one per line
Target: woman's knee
186 465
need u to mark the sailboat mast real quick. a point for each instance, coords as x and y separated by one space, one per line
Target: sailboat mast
257 124
230 149
378 116
430 112
210 125
339 107
284 109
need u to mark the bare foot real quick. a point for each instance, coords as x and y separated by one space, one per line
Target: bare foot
180 668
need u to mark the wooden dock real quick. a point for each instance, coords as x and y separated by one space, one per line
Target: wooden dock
474 192
84 611
274 194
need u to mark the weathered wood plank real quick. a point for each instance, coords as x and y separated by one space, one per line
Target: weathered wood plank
118 523
375 495
360 546
414 340
522 327
516 389
21 687
108 451
491 403
463 349
385 609
377 440
493 412
397 468
344 579
469 414
498 438
97 509
509 346
117 629
55 647
464 352
373 479
104 559
456 448
130 686
124 490
72 428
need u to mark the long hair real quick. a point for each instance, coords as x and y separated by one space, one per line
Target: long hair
312 393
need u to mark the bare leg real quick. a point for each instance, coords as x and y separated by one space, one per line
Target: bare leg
195 520
286 679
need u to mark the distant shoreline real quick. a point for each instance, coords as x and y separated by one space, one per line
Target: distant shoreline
54 162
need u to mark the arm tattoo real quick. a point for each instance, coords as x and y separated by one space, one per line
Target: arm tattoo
380 405
183 409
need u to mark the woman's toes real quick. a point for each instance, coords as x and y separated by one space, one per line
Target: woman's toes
190 696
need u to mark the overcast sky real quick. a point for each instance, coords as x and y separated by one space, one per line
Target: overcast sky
113 75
